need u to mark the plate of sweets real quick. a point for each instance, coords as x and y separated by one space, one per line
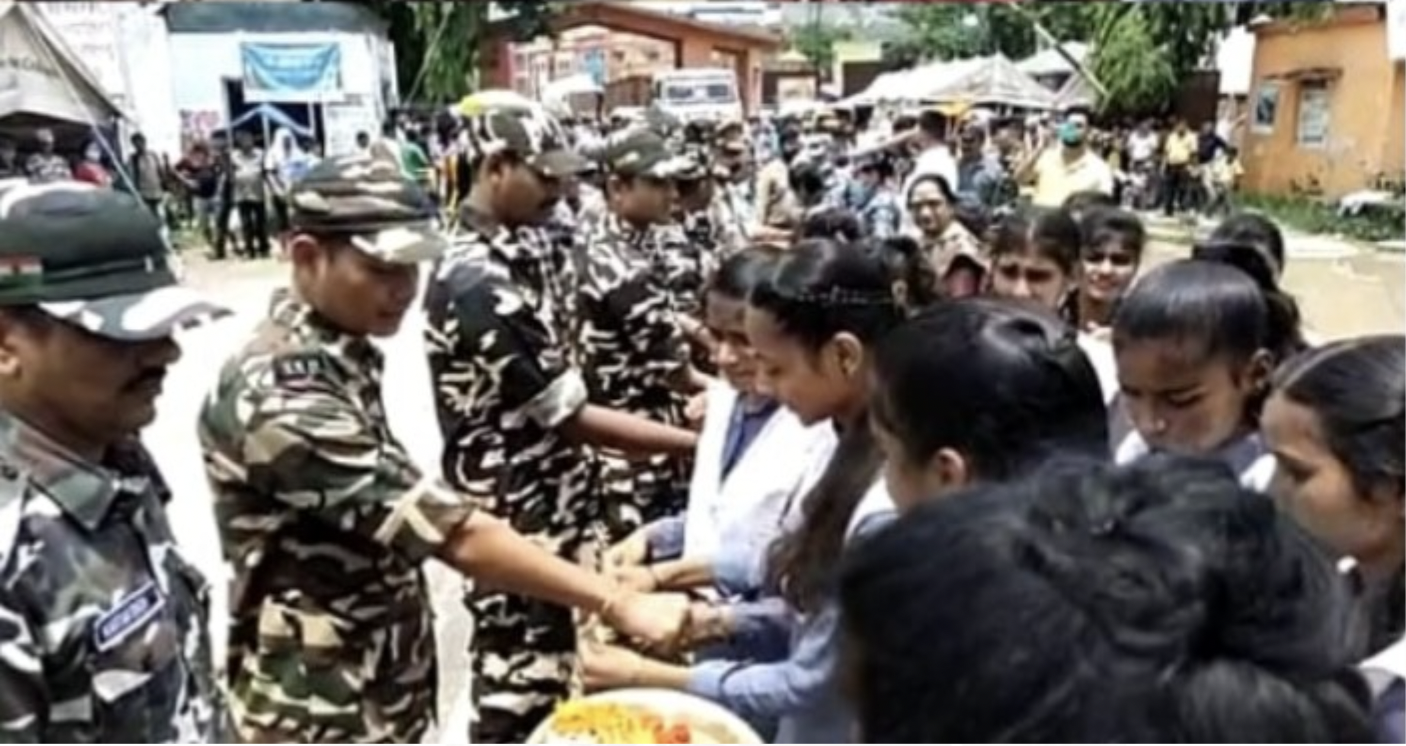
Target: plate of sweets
642 716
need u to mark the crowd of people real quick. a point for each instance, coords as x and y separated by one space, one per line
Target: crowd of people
833 430
227 190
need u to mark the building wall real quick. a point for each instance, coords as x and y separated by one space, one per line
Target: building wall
202 62
586 50
1365 93
849 51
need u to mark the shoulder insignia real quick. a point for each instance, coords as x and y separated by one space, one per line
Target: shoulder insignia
127 616
299 367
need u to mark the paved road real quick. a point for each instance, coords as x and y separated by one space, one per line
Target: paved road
1343 293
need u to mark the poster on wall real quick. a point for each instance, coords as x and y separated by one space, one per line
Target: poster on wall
796 88
199 124
342 121
1396 29
292 73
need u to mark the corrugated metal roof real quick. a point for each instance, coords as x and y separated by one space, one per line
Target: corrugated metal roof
271 17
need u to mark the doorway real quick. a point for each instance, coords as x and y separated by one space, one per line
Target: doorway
263 119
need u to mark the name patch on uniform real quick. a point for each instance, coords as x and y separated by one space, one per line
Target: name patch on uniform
130 614
294 368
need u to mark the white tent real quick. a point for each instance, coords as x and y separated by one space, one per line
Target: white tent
41 80
1077 92
993 80
886 87
1051 62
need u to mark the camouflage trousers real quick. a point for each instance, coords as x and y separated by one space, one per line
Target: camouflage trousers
373 684
523 652
523 659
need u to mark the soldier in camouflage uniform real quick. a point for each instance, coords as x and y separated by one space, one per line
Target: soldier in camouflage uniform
693 252
635 351
513 407
104 632
322 514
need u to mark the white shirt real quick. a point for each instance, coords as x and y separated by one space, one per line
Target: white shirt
746 507
1249 458
1142 147
1100 355
937 159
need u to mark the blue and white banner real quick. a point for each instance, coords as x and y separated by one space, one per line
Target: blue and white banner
292 72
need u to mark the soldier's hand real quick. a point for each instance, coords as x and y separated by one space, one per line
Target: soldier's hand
696 410
632 552
657 620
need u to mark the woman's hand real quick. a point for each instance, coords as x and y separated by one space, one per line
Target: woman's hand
605 667
656 620
706 624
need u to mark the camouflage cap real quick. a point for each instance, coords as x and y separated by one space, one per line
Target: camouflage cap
369 200
527 131
698 163
94 258
641 151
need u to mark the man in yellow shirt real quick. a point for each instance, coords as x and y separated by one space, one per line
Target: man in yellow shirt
1072 167
1178 154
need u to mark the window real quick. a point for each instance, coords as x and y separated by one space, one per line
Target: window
699 92
1313 114
1266 108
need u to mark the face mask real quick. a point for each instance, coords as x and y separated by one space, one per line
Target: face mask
93 155
1070 134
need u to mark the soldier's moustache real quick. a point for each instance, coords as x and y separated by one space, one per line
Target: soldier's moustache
148 377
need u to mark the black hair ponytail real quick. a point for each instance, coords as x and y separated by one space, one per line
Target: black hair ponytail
915 283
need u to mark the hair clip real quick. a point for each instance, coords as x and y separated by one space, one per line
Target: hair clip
1106 527
841 297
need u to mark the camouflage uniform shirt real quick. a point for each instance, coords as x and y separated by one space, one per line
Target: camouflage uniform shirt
634 353
504 379
326 522
686 259
104 626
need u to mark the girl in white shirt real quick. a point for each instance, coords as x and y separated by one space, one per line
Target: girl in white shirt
748 462
1035 258
1193 345
1335 421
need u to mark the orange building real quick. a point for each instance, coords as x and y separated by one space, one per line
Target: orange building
593 50
669 40
1327 108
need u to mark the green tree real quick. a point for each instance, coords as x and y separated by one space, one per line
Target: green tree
1142 51
438 45
953 31
816 41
